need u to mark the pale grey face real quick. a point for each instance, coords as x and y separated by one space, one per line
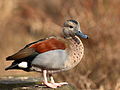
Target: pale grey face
71 29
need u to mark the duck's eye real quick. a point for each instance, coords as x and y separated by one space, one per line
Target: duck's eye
71 26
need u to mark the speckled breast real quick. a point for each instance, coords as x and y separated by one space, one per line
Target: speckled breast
76 53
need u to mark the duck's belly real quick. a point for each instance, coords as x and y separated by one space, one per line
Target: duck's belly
51 60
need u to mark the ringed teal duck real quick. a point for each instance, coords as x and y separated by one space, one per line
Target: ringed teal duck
53 54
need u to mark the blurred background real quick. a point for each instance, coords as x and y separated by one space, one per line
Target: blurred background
24 21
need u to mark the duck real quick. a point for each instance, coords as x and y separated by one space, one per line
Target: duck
52 54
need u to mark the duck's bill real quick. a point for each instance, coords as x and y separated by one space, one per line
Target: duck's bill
81 35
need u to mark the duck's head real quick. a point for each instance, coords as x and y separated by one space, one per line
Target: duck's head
71 29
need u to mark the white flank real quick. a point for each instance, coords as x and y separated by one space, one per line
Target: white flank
23 65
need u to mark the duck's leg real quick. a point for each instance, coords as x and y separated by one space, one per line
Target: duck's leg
57 84
51 85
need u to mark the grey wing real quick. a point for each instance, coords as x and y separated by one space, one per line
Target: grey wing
54 59
21 54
